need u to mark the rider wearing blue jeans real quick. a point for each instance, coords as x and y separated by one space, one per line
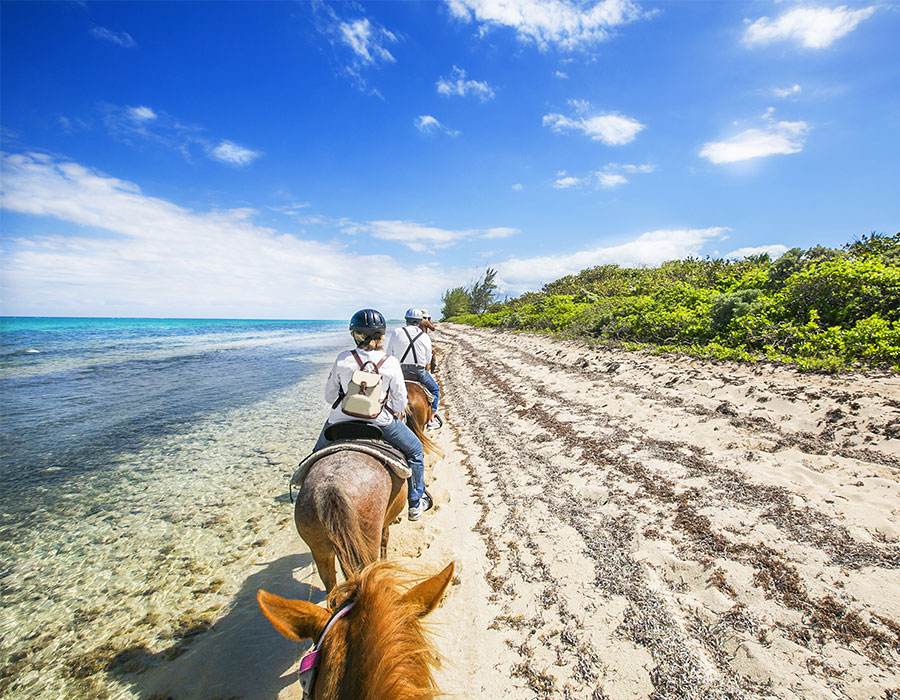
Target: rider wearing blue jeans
411 345
367 328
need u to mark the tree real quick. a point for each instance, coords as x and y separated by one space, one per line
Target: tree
456 302
482 291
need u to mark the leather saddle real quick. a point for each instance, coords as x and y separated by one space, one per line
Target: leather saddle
356 436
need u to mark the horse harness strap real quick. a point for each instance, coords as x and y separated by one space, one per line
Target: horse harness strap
412 345
309 664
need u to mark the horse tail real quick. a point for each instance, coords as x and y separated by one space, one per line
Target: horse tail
340 521
429 446
418 412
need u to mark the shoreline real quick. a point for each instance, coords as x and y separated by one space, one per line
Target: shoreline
623 525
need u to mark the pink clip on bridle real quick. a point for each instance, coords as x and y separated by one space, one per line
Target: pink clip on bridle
309 664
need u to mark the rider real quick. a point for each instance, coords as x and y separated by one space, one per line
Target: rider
427 324
412 346
367 328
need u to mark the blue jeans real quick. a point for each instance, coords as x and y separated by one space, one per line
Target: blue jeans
404 440
427 380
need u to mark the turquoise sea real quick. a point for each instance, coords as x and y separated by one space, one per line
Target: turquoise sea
142 463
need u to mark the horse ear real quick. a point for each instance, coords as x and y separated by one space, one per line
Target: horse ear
295 619
428 594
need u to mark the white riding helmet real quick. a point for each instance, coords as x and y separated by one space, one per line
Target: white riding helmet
413 314
426 315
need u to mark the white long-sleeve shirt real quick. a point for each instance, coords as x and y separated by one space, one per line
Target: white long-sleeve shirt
391 381
400 341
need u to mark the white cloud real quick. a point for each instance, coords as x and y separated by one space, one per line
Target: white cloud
501 232
634 169
518 187
773 251
611 129
422 238
229 152
564 24
167 260
458 85
141 114
367 41
609 180
361 43
131 124
652 248
429 125
120 38
563 183
562 76
787 92
811 27
776 138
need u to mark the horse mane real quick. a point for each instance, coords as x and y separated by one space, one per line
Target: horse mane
383 652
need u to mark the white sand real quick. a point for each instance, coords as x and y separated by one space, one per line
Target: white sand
630 526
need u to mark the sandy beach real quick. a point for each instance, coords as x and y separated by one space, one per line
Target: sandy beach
628 526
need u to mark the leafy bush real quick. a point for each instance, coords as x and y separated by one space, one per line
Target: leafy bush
822 309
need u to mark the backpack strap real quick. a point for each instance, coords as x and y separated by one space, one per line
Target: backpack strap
412 345
362 366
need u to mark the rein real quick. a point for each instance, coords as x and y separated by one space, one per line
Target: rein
309 664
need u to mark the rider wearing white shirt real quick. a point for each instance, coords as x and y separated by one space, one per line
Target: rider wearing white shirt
411 345
367 328
393 385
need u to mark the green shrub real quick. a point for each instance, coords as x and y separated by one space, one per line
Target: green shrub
842 291
822 309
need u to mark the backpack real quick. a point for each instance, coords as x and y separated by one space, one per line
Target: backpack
363 397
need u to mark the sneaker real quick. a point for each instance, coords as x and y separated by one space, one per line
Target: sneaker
435 424
425 503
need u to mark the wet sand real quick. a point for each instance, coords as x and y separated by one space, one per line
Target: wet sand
627 526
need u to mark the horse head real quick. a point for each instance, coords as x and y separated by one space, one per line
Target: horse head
370 642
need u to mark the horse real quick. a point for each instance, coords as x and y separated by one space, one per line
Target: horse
370 641
349 499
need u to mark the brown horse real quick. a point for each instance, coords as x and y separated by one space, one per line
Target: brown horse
349 499
378 649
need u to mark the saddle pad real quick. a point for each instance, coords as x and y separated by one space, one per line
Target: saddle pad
385 454
428 394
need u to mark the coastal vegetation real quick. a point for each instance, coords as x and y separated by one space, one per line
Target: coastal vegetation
820 308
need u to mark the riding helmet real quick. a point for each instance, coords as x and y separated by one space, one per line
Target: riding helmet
413 314
368 321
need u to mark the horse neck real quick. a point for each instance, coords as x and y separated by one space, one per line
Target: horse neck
383 653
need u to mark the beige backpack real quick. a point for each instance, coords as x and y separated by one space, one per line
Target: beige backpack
363 397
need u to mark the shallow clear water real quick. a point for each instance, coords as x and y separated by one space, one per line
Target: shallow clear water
143 464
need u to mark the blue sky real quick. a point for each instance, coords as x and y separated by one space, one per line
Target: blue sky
304 160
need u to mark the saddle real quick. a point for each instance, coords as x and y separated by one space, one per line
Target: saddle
357 436
414 379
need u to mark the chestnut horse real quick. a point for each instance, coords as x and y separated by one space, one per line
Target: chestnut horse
375 649
349 499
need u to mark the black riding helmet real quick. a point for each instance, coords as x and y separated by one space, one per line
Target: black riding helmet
368 321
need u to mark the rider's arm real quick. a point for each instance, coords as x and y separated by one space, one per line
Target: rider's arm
333 384
393 377
391 345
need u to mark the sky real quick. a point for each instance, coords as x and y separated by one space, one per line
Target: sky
308 159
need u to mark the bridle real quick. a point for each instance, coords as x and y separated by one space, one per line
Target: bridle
309 664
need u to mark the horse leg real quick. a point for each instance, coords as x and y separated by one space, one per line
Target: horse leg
326 568
385 532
